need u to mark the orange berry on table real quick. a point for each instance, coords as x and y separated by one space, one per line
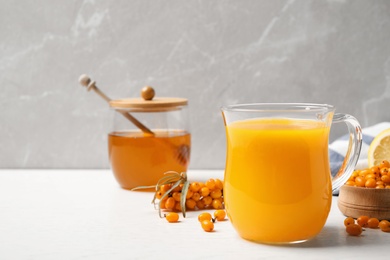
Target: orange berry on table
172 217
220 214
362 221
354 229
373 223
349 221
207 225
204 216
384 225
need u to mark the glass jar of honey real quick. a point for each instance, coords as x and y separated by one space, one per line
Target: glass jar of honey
150 136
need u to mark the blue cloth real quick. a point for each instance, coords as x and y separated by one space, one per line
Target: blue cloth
338 148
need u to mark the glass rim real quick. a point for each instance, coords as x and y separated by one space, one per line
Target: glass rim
277 107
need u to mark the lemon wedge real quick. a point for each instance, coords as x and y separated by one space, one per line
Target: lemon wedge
379 149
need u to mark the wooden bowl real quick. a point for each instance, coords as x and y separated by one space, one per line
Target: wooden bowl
357 201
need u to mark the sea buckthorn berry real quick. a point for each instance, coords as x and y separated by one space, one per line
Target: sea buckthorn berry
207 225
370 183
379 182
178 207
220 214
215 194
373 223
165 187
178 188
195 196
362 221
375 169
384 164
159 194
218 184
177 196
349 221
207 200
384 225
162 203
370 176
217 204
204 216
189 194
170 203
354 229
360 181
210 184
354 175
195 186
350 183
363 173
172 217
204 191
385 178
190 204
380 186
200 204
384 171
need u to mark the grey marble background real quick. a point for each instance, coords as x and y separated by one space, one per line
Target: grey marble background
212 52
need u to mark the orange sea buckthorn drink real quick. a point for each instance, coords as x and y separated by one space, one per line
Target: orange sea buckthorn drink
278 187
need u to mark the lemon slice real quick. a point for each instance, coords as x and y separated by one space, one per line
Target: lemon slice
379 149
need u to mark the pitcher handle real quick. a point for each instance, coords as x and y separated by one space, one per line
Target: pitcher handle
353 152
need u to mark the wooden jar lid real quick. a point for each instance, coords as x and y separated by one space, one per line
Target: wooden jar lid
148 103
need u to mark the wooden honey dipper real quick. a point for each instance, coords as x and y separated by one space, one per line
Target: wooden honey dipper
91 84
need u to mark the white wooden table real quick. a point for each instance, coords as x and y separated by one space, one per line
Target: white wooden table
83 214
